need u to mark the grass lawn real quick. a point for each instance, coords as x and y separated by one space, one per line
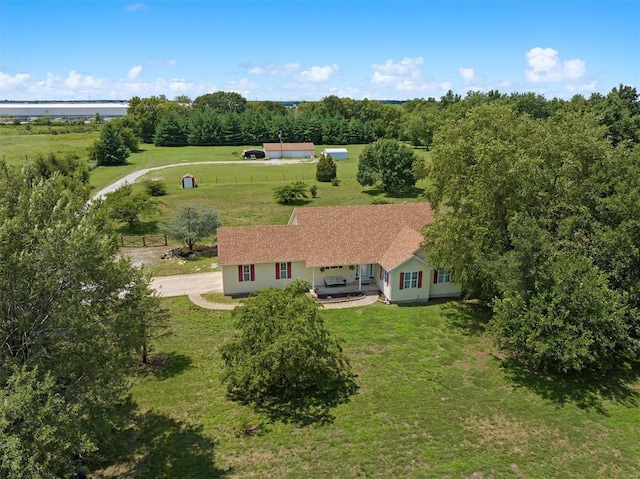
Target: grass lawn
435 400
16 142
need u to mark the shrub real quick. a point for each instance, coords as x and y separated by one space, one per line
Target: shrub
290 193
326 170
313 190
155 186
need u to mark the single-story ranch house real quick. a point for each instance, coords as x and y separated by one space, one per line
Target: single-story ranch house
289 150
335 246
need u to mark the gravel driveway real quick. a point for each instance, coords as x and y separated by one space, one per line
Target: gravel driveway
188 284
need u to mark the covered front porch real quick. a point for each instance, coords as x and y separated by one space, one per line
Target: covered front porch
343 279
353 289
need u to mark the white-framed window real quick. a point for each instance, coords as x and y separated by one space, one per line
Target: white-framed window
385 275
284 271
410 280
246 272
444 275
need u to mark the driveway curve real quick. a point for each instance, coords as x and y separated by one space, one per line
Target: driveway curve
132 177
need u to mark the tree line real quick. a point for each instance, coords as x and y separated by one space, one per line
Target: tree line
226 118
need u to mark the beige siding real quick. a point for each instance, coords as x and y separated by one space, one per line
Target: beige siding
265 276
413 294
444 290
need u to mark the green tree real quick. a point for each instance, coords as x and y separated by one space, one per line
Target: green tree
126 205
111 148
191 226
127 128
69 165
172 130
221 102
533 215
290 193
182 99
67 312
326 169
388 163
146 114
282 351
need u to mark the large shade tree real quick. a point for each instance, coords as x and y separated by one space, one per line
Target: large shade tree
282 352
535 215
388 163
71 326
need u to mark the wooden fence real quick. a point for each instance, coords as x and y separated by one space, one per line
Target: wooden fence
143 241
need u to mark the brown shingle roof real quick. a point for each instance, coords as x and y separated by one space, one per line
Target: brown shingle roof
328 236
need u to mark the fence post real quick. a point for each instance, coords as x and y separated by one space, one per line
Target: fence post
144 243
165 240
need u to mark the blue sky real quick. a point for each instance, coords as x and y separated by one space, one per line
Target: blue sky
309 49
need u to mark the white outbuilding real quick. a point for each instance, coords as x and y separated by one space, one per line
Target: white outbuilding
336 153
289 150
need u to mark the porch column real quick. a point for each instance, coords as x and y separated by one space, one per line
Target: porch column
313 278
359 277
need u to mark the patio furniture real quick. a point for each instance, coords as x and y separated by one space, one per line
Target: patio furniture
335 281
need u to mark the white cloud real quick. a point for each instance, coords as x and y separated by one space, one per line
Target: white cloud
134 73
8 81
135 7
468 74
584 88
317 74
545 66
167 63
244 87
76 80
406 76
407 67
178 85
390 73
287 69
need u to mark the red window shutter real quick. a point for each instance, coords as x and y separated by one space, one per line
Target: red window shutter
277 270
419 279
435 276
401 280
240 275
289 269
253 272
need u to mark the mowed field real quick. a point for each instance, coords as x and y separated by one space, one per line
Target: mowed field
435 400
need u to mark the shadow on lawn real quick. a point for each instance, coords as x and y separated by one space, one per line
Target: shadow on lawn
165 366
306 409
469 316
588 391
411 192
157 446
